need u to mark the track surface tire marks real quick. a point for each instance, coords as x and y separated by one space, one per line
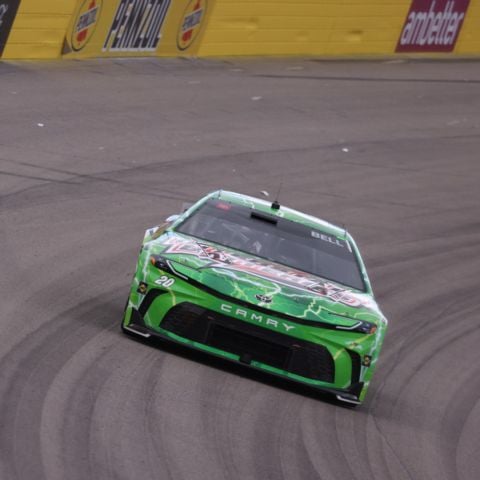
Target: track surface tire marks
389 149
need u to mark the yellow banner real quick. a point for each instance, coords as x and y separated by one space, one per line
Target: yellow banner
106 28
333 28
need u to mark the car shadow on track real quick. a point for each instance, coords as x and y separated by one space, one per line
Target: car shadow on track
240 370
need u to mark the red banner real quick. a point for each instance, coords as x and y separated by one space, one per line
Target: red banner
432 26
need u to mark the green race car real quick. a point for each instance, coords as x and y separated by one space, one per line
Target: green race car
264 285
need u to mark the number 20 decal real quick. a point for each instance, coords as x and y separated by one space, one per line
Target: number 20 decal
165 281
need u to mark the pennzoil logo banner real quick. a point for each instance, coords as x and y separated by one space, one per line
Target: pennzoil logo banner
432 26
141 28
136 26
8 11
191 23
85 23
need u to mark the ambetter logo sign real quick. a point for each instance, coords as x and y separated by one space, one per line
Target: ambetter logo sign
432 26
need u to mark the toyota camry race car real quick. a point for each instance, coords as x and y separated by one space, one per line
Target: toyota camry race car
264 285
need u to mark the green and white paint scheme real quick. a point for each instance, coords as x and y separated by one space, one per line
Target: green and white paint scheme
174 269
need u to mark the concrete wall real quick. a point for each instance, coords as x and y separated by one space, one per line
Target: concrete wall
315 27
336 28
39 28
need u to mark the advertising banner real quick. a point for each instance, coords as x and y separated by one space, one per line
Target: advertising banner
8 11
432 26
191 23
135 28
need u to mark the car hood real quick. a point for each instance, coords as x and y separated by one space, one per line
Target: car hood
263 283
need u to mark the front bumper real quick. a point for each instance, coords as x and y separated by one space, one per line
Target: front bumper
280 355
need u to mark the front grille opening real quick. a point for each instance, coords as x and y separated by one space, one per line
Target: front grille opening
250 342
240 344
189 323
356 365
312 362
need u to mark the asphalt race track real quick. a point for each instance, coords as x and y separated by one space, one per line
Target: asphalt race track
94 152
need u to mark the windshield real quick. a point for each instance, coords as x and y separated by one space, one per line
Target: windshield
276 239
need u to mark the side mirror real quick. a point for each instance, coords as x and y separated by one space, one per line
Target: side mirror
172 218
